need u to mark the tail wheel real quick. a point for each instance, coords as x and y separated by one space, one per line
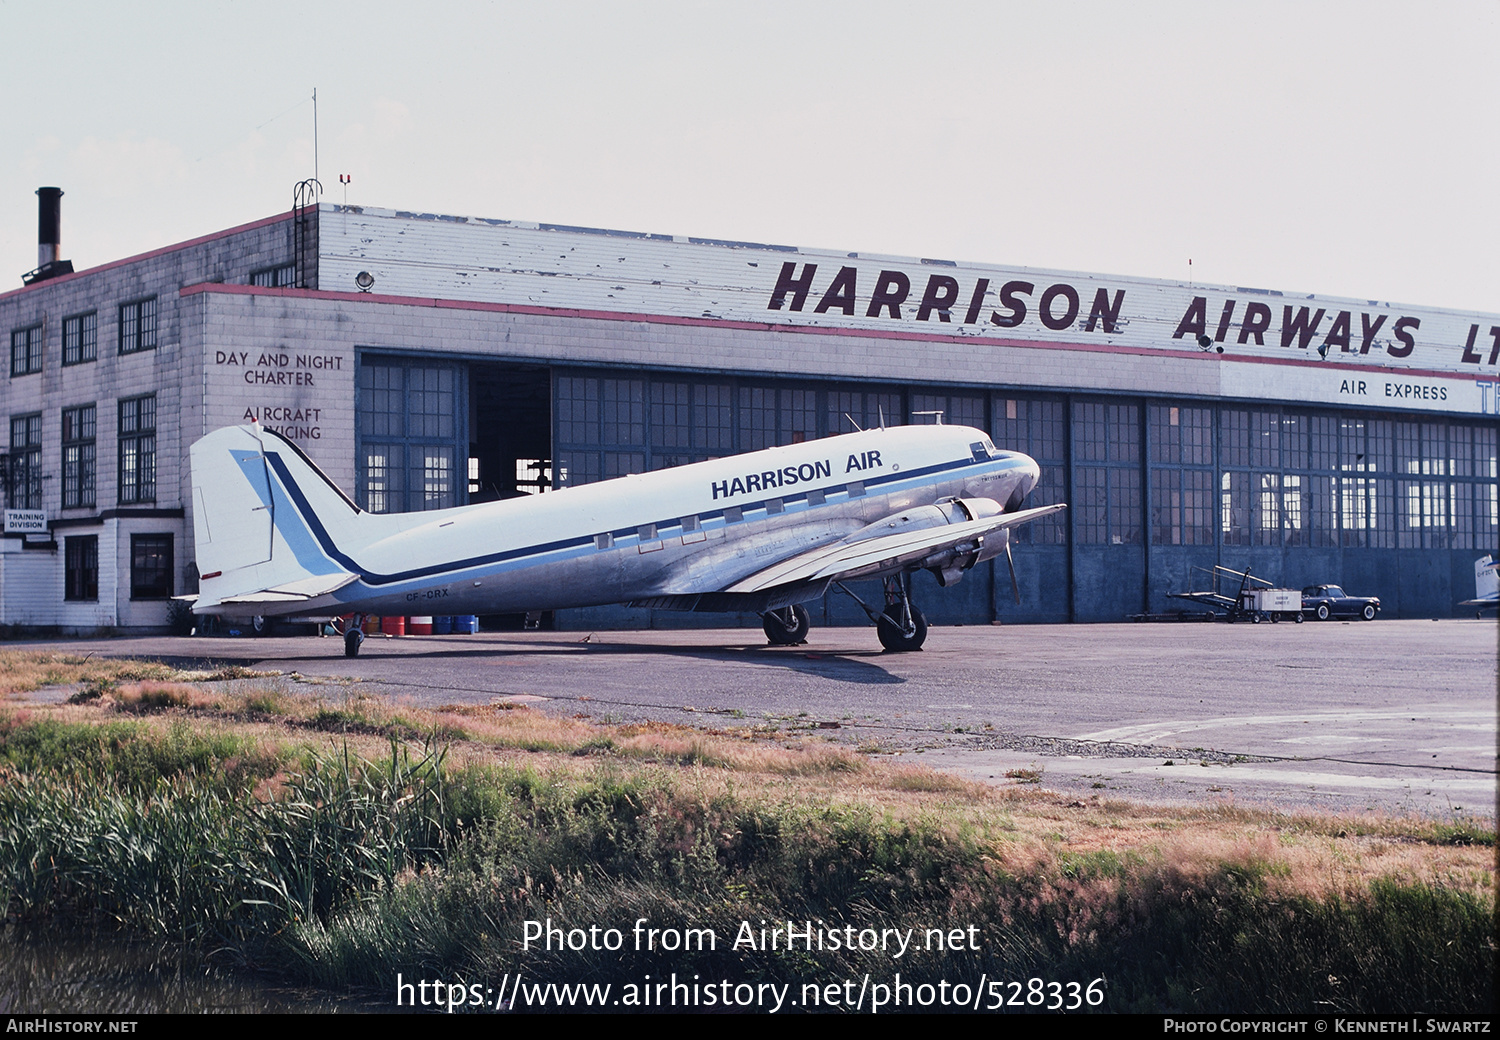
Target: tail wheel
788 626
1369 612
900 632
1323 612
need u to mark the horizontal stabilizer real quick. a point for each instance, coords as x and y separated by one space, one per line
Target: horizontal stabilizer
296 591
870 557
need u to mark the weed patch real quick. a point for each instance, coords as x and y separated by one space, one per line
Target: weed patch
380 854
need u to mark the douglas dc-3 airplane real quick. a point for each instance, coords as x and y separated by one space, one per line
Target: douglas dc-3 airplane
762 532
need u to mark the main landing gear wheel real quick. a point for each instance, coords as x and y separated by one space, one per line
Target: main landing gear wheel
260 625
787 626
902 628
354 635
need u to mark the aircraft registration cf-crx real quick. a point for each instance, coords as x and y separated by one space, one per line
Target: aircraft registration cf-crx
763 532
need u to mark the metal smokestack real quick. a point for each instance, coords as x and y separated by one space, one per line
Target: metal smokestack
48 226
49 262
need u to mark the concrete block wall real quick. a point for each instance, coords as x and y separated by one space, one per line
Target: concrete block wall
31 589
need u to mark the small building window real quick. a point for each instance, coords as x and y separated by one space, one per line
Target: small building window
78 426
282 276
81 557
26 461
26 351
138 450
81 338
150 566
138 326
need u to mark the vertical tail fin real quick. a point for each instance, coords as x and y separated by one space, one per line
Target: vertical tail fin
1486 579
266 522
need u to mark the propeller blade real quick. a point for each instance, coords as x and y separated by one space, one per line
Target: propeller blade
1014 584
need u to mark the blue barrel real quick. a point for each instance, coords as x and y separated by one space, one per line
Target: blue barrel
465 624
442 625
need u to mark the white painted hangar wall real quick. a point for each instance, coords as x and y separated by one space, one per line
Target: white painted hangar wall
254 338
525 264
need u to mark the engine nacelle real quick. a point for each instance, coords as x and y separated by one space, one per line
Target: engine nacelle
948 511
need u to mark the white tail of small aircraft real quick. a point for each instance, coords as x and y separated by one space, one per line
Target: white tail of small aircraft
762 532
1486 585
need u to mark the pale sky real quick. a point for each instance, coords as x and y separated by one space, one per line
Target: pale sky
1348 149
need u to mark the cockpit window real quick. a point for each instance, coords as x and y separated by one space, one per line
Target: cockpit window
982 450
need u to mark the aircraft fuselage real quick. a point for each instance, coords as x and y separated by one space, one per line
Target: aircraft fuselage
665 536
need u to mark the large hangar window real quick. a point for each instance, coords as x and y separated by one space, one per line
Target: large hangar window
1038 427
774 416
601 428
951 409
1107 474
608 427
410 438
1264 490
1182 475
849 411
1290 479
1366 492
690 422
1445 492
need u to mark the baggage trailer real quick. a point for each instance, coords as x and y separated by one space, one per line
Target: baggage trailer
1273 604
1241 596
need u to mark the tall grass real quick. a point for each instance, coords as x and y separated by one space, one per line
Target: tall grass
346 870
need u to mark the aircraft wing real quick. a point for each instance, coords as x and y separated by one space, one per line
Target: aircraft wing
871 556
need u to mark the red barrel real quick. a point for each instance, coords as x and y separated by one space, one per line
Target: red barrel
393 626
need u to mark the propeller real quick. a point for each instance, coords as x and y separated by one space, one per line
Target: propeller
1014 584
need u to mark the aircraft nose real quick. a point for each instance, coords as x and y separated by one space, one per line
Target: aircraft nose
1027 473
1031 473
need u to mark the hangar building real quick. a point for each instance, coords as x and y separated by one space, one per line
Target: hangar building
426 360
